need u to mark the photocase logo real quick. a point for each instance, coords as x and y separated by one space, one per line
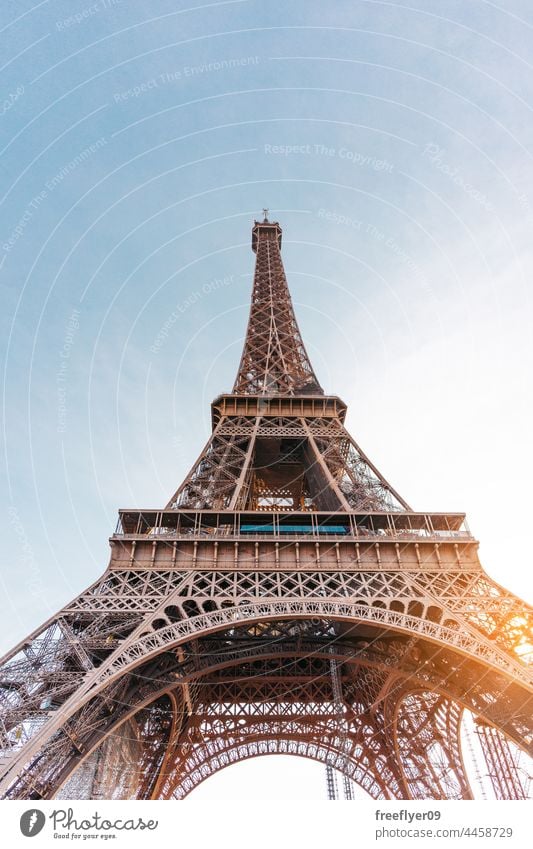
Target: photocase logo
64 824
32 822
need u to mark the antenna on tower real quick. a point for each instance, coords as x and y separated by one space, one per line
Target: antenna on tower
265 213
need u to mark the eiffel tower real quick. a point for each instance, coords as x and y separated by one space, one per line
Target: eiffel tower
286 600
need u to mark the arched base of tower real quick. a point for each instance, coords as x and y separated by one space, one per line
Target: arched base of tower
266 689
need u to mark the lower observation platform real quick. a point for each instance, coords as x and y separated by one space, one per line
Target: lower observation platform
175 524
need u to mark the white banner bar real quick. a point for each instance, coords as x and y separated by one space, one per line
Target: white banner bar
252 825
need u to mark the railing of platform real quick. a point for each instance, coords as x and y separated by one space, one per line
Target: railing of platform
371 527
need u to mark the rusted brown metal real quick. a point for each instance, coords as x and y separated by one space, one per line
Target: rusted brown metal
286 600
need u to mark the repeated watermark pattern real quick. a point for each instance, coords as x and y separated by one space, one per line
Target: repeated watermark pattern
339 218
187 303
308 149
28 565
179 74
437 156
10 100
74 163
24 220
523 200
378 235
50 185
71 330
84 14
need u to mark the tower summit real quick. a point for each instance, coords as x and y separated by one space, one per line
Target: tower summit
274 360
286 600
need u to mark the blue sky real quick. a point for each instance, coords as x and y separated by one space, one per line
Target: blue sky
138 143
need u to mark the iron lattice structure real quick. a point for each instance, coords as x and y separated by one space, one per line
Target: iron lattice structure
286 600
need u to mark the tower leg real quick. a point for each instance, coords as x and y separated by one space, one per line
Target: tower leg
508 780
427 736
